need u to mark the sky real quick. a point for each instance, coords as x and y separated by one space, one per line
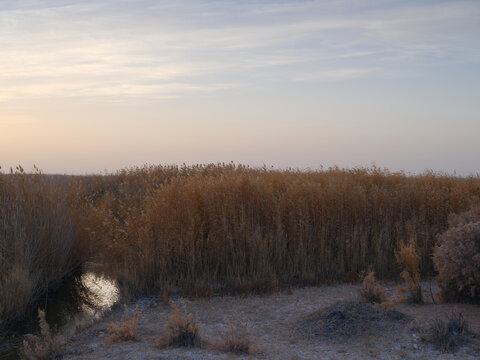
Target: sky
93 86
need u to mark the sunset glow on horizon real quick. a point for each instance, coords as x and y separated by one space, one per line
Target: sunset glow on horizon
100 85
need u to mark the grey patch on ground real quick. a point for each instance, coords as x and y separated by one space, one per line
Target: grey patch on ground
351 318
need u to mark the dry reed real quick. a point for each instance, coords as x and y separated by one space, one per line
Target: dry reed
210 226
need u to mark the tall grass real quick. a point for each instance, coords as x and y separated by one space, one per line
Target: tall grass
217 225
221 224
40 237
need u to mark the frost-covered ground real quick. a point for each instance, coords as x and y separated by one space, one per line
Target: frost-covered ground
275 321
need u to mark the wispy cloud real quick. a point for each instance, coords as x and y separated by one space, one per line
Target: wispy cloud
160 48
334 74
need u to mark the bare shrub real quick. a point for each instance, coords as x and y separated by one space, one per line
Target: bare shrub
181 329
127 330
457 258
238 339
371 291
446 336
408 258
45 346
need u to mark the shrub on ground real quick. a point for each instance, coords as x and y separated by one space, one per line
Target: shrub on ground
371 291
181 329
127 330
408 258
237 339
457 258
45 346
447 335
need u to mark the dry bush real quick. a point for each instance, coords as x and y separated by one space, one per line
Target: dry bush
408 258
457 258
237 339
371 291
127 330
445 335
182 329
44 346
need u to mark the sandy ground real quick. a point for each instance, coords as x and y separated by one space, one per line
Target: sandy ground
274 322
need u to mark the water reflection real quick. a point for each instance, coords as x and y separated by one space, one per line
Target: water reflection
77 303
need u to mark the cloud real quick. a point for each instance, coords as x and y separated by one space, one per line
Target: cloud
157 48
334 74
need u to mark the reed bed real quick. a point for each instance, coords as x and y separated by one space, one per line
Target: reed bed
164 227
40 237
221 225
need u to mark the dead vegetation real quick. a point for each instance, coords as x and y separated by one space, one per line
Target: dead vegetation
126 330
350 318
45 346
170 227
457 258
446 336
408 258
371 291
238 338
181 330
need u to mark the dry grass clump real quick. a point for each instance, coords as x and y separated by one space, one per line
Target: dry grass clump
237 339
447 335
457 258
371 291
45 346
408 258
181 329
346 319
127 330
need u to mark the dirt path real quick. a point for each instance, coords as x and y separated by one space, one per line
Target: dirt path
273 319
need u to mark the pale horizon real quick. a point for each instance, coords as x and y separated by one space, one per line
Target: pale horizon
103 85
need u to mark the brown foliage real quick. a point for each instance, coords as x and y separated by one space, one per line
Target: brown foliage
182 329
127 330
238 339
371 291
42 237
457 258
220 224
44 346
159 227
408 258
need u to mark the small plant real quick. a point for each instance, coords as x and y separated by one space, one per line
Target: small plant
408 258
164 297
371 292
44 346
127 331
385 305
182 329
446 336
238 339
